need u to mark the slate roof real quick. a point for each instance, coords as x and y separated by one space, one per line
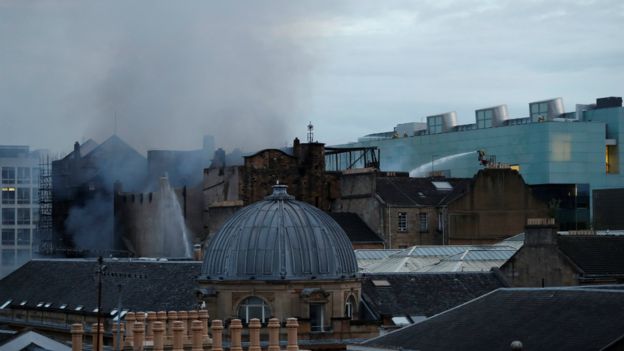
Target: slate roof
73 282
279 238
542 319
354 226
424 294
594 254
404 191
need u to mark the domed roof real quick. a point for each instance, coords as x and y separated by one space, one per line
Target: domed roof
279 238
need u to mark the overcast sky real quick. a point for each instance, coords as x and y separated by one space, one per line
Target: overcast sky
254 73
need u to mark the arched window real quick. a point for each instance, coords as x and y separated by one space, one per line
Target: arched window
254 307
350 306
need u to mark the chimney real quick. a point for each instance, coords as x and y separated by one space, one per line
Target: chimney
540 232
77 150
197 252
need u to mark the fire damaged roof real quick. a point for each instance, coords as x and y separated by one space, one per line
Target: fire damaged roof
407 192
354 226
424 294
542 319
73 283
594 254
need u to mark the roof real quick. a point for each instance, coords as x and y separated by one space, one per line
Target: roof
85 148
366 257
542 319
594 254
447 258
354 226
424 294
30 340
142 283
404 191
279 238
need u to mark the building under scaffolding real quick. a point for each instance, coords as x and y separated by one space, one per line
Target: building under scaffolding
343 158
45 229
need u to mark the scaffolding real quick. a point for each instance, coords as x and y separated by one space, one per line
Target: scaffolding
45 229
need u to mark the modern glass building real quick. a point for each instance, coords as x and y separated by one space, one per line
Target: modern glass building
19 208
578 150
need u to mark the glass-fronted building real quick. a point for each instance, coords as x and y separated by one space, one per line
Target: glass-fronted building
19 207
578 149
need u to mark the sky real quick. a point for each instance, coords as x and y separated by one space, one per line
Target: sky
161 74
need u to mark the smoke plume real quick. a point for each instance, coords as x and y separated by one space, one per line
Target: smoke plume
160 73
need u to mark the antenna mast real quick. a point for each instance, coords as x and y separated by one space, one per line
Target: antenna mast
310 132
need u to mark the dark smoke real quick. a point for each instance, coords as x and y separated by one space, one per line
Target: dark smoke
170 71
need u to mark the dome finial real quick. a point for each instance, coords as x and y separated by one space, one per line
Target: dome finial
280 193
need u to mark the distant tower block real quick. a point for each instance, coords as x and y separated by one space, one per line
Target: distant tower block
310 132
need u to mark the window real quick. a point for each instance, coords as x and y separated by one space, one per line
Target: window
484 119
35 195
23 236
23 196
23 175
317 317
23 256
402 221
23 216
440 222
350 306
539 111
8 196
8 216
8 236
8 257
254 307
423 222
434 124
8 175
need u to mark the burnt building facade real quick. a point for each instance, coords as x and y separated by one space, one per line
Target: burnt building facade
83 184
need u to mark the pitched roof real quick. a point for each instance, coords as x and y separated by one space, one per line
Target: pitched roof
30 340
542 319
404 191
594 254
354 226
447 258
424 294
142 283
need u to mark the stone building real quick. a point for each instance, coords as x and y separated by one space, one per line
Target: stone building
490 207
83 190
301 168
550 259
280 257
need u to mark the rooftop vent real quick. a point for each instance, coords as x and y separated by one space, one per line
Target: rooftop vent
546 110
606 102
491 116
441 123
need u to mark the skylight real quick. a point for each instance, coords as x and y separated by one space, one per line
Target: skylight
381 283
442 185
